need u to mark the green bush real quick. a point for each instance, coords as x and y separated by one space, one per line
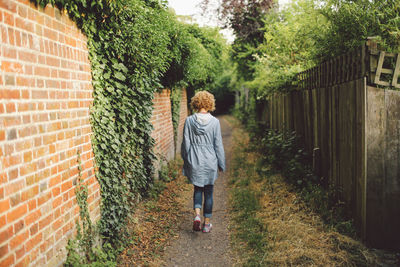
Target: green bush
134 48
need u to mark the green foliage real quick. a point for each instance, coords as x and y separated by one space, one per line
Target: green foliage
81 250
306 32
282 150
134 47
352 22
176 96
289 45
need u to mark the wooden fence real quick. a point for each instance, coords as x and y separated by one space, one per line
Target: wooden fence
352 129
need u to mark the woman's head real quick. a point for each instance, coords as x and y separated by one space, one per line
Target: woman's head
203 99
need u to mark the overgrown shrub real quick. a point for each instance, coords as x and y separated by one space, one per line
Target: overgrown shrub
134 48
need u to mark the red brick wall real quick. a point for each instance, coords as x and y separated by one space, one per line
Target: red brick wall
161 119
45 94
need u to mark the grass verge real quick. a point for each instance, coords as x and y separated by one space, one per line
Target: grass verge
273 223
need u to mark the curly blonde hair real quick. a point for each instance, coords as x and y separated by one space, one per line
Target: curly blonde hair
203 99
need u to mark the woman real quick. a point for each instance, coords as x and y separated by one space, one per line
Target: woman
203 155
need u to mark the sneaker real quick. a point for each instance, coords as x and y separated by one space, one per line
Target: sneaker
197 223
207 228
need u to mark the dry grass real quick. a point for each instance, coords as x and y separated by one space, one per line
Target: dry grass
294 234
297 236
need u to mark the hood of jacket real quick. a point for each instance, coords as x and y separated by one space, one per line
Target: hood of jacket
201 122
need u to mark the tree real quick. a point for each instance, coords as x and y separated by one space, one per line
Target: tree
245 18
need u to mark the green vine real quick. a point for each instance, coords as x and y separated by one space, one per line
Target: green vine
176 96
81 250
134 48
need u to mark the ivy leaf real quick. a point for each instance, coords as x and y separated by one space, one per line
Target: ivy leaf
119 76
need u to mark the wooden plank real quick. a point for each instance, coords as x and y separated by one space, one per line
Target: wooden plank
380 70
323 134
375 136
360 164
391 190
396 73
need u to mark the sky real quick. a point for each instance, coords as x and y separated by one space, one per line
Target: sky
191 8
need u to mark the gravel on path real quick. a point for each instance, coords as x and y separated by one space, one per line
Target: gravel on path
206 249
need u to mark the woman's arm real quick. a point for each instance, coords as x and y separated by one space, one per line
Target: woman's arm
219 148
185 140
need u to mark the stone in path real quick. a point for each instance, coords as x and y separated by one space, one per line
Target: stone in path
211 249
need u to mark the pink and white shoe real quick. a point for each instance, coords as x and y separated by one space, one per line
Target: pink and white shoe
207 228
197 223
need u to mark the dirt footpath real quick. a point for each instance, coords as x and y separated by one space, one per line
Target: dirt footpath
212 249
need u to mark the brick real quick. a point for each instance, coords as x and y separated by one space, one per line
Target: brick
12 174
27 169
10 107
18 240
11 134
52 61
9 52
6 234
25 81
32 217
17 213
52 35
44 198
4 205
34 229
9 79
33 242
57 224
46 221
42 71
8 5
3 250
11 121
18 226
25 107
32 204
46 244
39 94
24 262
9 19
24 24
22 11
10 259
27 56
13 67
20 253
30 193
15 199
2 135
27 155
24 94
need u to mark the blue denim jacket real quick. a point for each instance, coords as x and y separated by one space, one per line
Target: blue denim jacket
202 151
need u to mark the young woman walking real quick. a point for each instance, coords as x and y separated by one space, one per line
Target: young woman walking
203 155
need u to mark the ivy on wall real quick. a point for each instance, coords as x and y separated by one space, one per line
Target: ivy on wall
176 96
135 47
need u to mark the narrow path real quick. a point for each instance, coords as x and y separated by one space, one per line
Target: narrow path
198 249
